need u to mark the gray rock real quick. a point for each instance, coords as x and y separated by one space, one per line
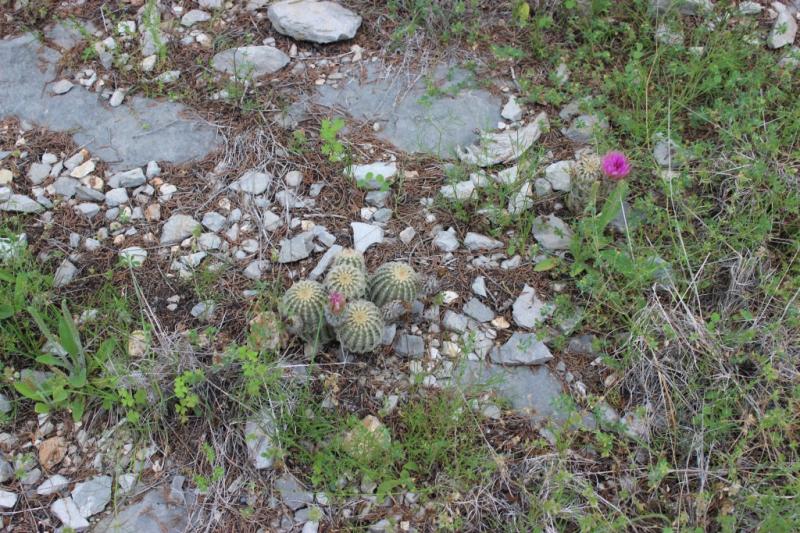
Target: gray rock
407 235
255 269
582 129
88 194
297 248
170 76
87 209
446 240
38 172
324 262
61 87
252 182
409 346
116 197
258 436
157 511
67 33
389 332
311 20
479 286
666 35
368 175
177 228
194 16
7 499
668 153
133 256
65 510
293 494
213 221
66 187
529 310
210 4
65 273
6 470
382 215
209 241
522 349
784 29
247 61
92 496
512 111
130 178
559 175
271 221
582 345
19 203
452 321
477 242
532 391
552 233
505 146
125 136
117 97
52 485
377 198
462 190
478 310
409 118
366 235
750 8
203 310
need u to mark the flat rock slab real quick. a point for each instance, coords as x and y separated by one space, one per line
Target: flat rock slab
533 392
157 511
312 20
412 117
126 136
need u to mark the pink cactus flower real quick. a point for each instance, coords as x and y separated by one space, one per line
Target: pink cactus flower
336 301
616 165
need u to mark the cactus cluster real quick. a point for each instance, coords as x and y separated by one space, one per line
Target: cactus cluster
393 281
585 173
349 305
361 329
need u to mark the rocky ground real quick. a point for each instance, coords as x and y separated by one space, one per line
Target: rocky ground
177 165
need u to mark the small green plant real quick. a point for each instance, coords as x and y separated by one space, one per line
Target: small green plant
371 180
187 399
332 147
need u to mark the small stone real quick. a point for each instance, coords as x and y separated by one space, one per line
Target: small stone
522 349
66 187
410 346
366 235
7 499
250 61
667 153
152 213
377 198
479 286
87 209
559 175
529 310
213 221
116 197
138 344
92 496
203 310
178 228
368 176
209 241
293 179
476 309
117 97
65 273
271 221
170 76
83 170
512 111
293 494
61 87
446 241
452 321
582 129
53 485
750 8
462 190
193 17
130 178
784 29
255 269
296 248
252 182
552 233
52 452
133 256
407 235
38 172
65 510
477 242
310 20
148 63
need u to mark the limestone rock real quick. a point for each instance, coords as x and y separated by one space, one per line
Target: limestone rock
311 20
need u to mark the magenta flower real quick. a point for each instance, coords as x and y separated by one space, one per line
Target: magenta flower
616 165
336 300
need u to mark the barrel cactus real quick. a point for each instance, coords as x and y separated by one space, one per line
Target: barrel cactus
304 306
347 279
361 329
585 173
393 281
351 256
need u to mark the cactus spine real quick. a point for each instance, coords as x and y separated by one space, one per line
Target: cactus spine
350 256
361 329
393 281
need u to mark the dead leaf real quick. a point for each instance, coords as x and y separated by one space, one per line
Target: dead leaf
52 452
